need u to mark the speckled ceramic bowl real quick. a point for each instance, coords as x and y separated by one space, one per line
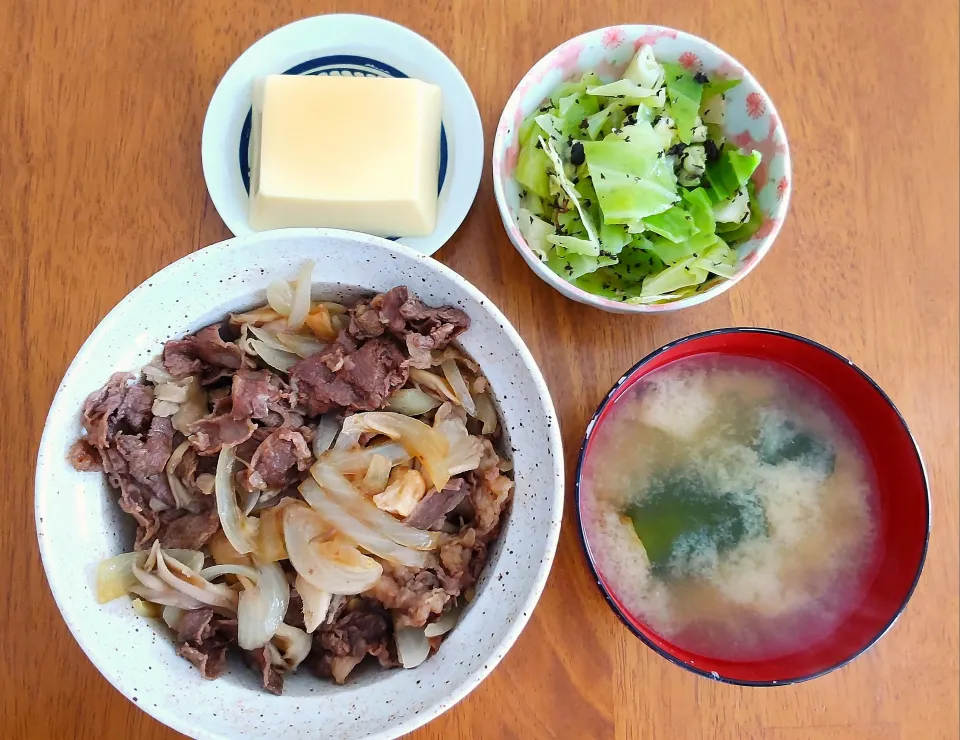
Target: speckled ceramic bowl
751 122
79 522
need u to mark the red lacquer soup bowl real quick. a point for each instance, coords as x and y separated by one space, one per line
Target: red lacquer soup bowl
902 503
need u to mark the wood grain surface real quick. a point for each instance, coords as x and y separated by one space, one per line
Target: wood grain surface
101 108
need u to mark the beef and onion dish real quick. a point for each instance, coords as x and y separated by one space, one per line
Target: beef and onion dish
312 483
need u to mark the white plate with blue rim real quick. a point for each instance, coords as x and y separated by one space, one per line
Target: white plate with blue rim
341 44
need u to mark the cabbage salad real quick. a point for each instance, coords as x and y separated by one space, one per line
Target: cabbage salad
629 189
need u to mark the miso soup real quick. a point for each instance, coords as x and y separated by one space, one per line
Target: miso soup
729 505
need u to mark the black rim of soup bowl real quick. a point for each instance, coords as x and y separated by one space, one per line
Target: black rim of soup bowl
599 580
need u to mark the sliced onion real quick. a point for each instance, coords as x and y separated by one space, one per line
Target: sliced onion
412 402
115 576
300 305
250 499
345 495
419 439
262 607
171 616
205 483
155 372
448 620
168 597
465 450
412 646
486 413
316 603
405 491
223 552
230 569
180 493
269 545
434 383
335 308
275 358
336 603
236 526
280 296
148 579
301 345
164 408
363 534
170 392
355 462
147 608
325 433
341 569
377 475
190 583
294 645
451 371
194 408
269 338
256 316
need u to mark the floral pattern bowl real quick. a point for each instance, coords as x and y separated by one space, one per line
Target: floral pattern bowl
751 123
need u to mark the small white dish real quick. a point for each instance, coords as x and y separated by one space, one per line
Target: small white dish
79 522
344 45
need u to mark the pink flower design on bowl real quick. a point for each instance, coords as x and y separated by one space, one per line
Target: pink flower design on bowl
756 105
782 187
612 38
689 60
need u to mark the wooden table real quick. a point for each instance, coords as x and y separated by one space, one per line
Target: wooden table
101 185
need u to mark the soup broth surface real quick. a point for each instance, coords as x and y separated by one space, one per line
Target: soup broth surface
728 504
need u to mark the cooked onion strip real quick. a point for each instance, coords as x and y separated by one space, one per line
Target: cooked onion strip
294 645
316 603
412 402
448 620
486 413
300 344
451 371
180 493
340 569
262 607
342 491
465 450
269 546
300 305
230 569
377 475
171 616
347 524
434 383
115 576
256 316
280 296
326 432
419 439
238 529
190 583
168 597
147 608
357 461
277 359
412 646
269 338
